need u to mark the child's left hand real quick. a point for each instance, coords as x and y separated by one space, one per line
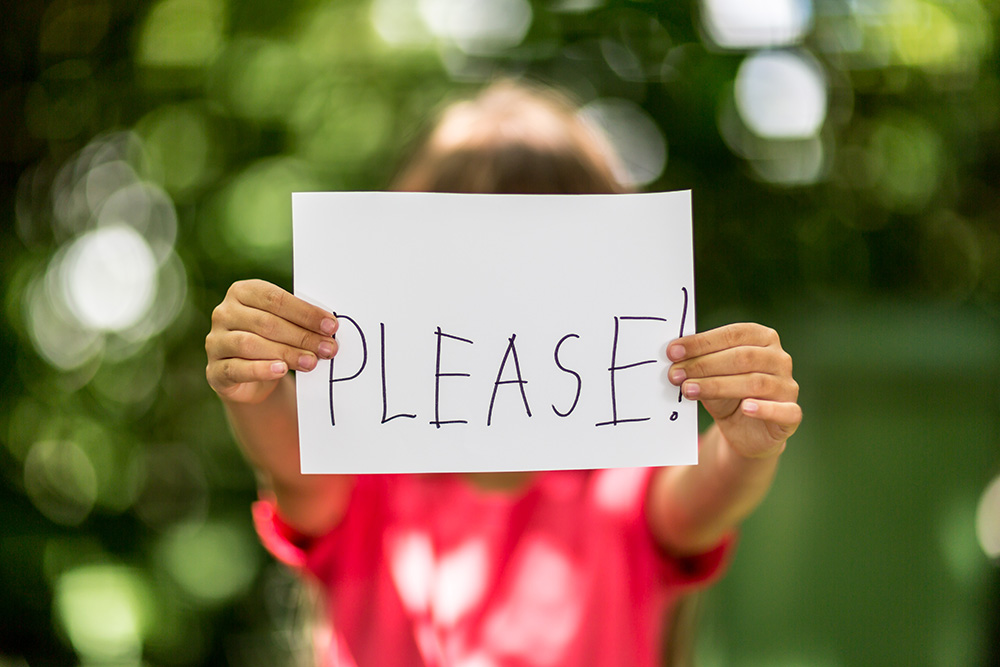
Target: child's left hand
743 377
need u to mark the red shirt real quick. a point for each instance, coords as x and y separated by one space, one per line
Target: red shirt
429 570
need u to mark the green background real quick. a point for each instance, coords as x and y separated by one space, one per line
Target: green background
125 536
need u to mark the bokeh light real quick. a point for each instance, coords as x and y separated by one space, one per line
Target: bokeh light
988 520
635 136
259 79
736 24
148 210
905 162
116 272
57 336
180 147
788 162
88 178
74 463
104 610
108 277
211 561
781 94
400 23
257 213
182 33
61 481
168 302
577 6
336 124
129 381
944 39
482 27
791 162
957 539
622 60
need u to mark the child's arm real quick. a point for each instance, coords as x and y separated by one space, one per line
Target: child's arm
258 333
743 377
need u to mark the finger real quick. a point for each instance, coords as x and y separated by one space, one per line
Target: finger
279 330
714 340
225 374
784 416
264 296
733 361
248 346
748 385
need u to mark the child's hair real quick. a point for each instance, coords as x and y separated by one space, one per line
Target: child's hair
512 138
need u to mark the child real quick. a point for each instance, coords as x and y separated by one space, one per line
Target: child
550 568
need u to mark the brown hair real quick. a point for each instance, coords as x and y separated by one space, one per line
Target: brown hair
512 138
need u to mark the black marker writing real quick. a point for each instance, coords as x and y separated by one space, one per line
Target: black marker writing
520 381
503 376
680 394
579 381
614 368
437 422
364 362
385 419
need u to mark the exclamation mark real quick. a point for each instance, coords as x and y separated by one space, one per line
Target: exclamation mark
674 415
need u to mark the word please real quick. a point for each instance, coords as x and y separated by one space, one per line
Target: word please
509 377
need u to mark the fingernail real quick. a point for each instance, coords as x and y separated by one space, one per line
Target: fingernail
750 407
677 376
326 350
279 368
307 362
676 352
692 389
328 326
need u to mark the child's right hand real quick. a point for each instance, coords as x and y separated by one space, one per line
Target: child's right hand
259 332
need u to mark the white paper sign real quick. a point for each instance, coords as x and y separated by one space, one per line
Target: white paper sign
495 332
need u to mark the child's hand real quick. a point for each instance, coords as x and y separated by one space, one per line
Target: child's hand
259 332
743 377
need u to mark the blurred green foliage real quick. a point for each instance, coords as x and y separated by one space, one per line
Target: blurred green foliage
872 241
